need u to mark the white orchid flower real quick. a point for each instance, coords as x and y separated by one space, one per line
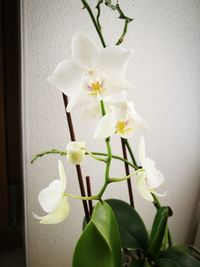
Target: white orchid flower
91 74
53 201
76 152
149 179
121 119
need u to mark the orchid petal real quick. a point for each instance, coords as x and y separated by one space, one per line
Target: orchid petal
77 100
91 110
140 123
116 84
154 177
58 216
62 175
67 76
105 127
142 187
114 60
84 50
141 151
119 111
115 98
49 197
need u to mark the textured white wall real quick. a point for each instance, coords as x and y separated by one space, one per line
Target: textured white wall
165 69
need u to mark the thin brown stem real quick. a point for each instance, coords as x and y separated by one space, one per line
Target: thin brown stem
129 184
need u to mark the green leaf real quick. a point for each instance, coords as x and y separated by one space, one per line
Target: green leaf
136 264
158 231
182 248
146 264
175 258
132 230
99 244
166 263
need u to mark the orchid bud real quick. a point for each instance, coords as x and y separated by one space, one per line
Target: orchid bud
76 152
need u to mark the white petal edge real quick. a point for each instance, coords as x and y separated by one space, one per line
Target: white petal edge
77 100
67 77
84 50
113 61
105 127
62 175
140 123
141 151
142 187
56 217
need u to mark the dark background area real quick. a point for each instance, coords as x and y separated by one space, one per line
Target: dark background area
11 183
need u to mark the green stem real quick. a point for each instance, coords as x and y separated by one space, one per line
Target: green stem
82 198
94 157
114 180
121 39
103 110
86 5
52 151
63 153
127 20
117 157
109 157
98 7
156 202
103 189
106 183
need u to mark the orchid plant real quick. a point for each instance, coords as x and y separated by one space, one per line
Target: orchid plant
114 234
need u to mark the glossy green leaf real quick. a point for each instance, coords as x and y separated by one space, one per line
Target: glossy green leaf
173 258
132 230
158 231
99 244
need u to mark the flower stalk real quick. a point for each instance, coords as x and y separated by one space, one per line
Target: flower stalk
96 25
92 154
120 40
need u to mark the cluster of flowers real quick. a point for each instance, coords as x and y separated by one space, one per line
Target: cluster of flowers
92 76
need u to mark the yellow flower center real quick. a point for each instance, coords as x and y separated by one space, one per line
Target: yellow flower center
96 88
121 127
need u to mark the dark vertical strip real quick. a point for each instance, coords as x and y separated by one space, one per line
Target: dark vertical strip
3 172
13 111
89 193
129 184
78 168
